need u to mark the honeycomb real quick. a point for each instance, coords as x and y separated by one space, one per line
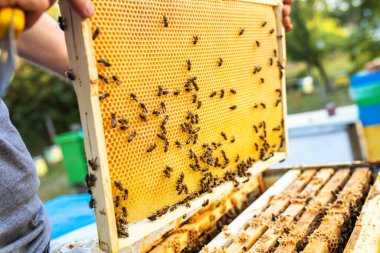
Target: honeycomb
142 45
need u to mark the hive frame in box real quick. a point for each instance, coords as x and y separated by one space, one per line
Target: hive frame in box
83 64
286 176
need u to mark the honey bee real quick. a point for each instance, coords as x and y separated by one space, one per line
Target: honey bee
241 31
279 92
165 92
165 21
124 127
96 33
92 203
271 61
223 135
195 139
165 120
177 92
194 98
222 93
257 43
70 75
103 78
143 117
156 112
220 61
275 52
184 216
264 23
189 140
196 130
151 148
278 101
153 217
143 107
117 201
233 107
104 63
131 137
206 202
160 89
179 145
93 163
103 96
134 97
196 119
262 80
195 39
125 213
188 64
172 208
263 105
188 205
255 106
199 104
113 120
233 91
162 136
123 121
256 146
166 148
167 171
233 139
271 31
280 65
163 106
164 129
125 194
116 80
193 81
62 23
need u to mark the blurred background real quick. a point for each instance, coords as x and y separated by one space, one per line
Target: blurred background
331 42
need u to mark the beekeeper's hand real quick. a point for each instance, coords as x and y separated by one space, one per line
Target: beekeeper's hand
35 8
286 15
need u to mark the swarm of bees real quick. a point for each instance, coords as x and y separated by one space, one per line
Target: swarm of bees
212 154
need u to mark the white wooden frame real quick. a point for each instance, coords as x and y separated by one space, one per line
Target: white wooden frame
83 64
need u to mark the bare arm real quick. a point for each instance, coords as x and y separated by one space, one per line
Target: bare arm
44 44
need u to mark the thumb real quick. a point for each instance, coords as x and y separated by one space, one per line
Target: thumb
83 7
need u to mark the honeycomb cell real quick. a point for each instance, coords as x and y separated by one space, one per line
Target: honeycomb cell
144 54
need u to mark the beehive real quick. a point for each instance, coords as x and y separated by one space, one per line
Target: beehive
314 213
142 67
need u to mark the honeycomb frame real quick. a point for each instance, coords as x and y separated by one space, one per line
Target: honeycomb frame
88 86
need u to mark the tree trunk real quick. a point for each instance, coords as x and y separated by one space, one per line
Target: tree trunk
326 79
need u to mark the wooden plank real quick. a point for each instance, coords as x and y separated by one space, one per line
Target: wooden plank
305 224
268 240
242 221
78 38
207 219
330 228
366 234
258 225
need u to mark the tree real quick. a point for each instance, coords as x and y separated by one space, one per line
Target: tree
36 95
315 35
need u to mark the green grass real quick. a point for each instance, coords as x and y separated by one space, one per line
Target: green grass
299 102
54 183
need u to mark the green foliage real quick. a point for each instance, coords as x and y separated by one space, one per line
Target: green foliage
35 94
315 36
